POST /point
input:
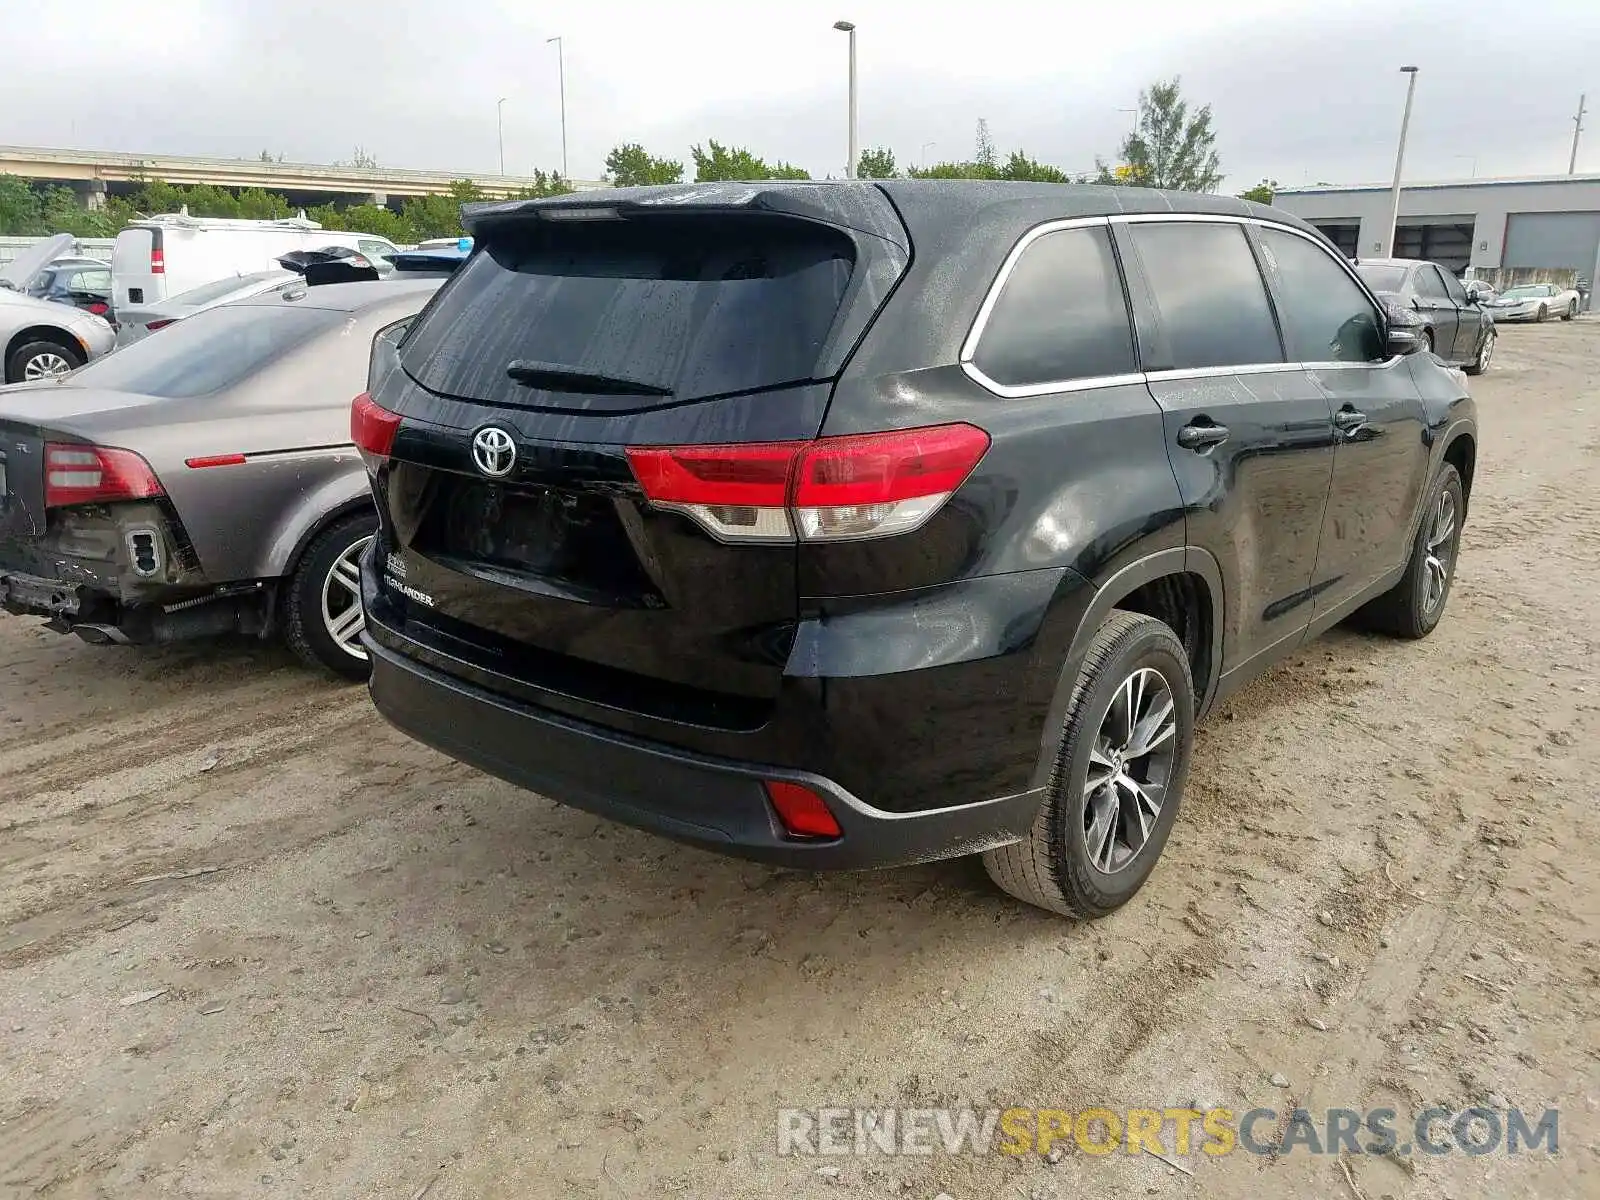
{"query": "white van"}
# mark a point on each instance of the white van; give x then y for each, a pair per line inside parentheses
(165, 255)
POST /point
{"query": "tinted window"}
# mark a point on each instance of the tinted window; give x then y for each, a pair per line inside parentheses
(1381, 278)
(1061, 315)
(92, 281)
(1453, 288)
(208, 352)
(1430, 285)
(1326, 317)
(697, 306)
(1213, 304)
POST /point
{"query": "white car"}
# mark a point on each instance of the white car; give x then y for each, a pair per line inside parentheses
(1534, 302)
(40, 339)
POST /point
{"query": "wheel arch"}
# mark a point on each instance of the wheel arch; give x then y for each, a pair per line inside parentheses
(1182, 586)
(1461, 452)
(348, 508)
(39, 333)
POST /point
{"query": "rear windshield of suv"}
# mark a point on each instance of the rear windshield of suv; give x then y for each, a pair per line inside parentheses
(677, 307)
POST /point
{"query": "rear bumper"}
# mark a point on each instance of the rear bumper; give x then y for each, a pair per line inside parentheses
(719, 804)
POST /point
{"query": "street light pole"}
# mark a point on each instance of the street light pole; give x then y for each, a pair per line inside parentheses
(926, 146)
(500, 127)
(855, 153)
(1400, 157)
(561, 69)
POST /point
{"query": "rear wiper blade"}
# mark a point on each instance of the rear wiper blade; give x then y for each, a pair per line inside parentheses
(570, 379)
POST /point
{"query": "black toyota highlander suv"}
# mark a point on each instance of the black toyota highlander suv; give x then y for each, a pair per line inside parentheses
(859, 523)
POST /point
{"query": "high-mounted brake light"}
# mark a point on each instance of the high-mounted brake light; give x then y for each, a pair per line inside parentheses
(372, 428)
(80, 474)
(831, 489)
(158, 261)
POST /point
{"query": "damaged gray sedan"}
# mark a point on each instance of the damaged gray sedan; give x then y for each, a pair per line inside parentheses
(202, 481)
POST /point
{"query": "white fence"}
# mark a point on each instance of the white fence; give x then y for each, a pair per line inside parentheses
(13, 247)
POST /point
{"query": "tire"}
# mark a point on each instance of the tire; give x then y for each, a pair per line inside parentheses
(34, 356)
(1544, 314)
(315, 599)
(1059, 866)
(1480, 364)
(1572, 311)
(1412, 608)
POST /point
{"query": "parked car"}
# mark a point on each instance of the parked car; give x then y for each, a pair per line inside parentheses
(847, 524)
(141, 320)
(202, 481)
(81, 282)
(1480, 290)
(1535, 302)
(40, 338)
(1456, 327)
(165, 255)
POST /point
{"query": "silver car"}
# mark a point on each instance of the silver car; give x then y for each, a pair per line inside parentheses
(1535, 302)
(40, 338)
(204, 481)
(139, 321)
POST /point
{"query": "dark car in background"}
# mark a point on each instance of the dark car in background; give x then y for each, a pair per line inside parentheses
(851, 524)
(1457, 326)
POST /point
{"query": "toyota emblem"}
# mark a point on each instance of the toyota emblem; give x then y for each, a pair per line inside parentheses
(493, 451)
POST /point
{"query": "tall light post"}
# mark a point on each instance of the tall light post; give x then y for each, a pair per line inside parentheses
(1577, 134)
(855, 154)
(1400, 158)
(500, 128)
(561, 70)
(926, 146)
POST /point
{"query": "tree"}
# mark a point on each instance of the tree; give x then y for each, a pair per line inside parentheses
(1020, 166)
(719, 163)
(1262, 193)
(630, 165)
(876, 164)
(1169, 149)
(983, 154)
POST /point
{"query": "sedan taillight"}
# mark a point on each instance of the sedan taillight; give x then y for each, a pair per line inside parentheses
(82, 474)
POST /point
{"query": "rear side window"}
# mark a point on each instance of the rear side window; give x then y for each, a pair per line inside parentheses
(1061, 315)
(1212, 301)
(1430, 285)
(207, 352)
(1326, 317)
(680, 307)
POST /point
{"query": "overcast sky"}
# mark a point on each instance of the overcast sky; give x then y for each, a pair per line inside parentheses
(1301, 92)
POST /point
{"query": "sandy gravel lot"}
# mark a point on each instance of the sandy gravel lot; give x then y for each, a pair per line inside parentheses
(384, 975)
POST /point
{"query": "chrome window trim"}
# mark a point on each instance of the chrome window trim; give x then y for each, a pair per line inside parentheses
(1020, 391)
(969, 345)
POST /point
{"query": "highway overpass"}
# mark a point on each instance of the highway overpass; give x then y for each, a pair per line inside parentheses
(95, 173)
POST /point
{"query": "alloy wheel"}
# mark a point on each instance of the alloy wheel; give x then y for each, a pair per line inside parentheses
(45, 365)
(1486, 352)
(1441, 550)
(342, 615)
(1130, 768)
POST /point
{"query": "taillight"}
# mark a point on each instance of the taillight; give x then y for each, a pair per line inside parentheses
(831, 489)
(372, 428)
(99, 309)
(801, 811)
(158, 261)
(76, 474)
(152, 326)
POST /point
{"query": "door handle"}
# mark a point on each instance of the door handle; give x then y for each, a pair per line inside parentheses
(1202, 437)
(1349, 419)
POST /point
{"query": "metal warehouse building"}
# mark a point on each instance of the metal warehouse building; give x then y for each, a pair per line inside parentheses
(1550, 222)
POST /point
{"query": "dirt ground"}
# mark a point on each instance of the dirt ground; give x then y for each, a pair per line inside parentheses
(382, 974)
